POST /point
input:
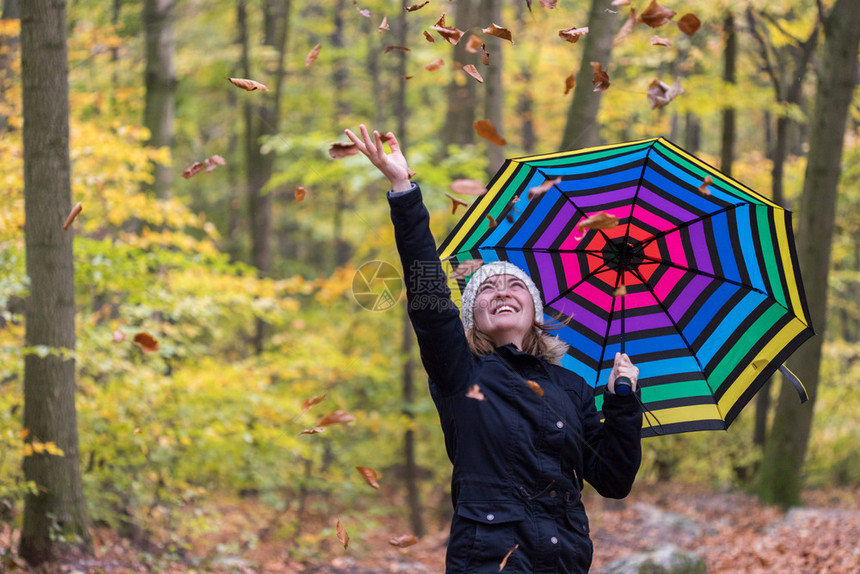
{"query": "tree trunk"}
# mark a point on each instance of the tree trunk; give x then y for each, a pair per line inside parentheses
(491, 11)
(49, 381)
(462, 90)
(785, 451)
(159, 110)
(582, 129)
(730, 56)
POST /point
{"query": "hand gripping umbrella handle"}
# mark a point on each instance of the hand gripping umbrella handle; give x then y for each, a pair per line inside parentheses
(623, 386)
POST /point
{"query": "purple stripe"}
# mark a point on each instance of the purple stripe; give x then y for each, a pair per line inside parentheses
(581, 316)
(700, 248)
(689, 294)
(665, 205)
(642, 323)
(555, 227)
(608, 196)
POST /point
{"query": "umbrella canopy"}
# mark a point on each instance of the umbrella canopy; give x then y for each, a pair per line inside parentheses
(698, 282)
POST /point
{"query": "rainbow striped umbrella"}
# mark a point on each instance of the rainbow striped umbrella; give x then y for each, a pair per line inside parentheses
(698, 282)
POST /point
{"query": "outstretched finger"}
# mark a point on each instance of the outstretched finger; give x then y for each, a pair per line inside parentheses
(392, 142)
(377, 142)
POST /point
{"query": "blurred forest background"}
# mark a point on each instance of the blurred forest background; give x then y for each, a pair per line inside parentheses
(214, 313)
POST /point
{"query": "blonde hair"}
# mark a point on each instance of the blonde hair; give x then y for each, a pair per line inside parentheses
(537, 341)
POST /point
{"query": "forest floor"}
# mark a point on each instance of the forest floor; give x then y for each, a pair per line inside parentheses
(732, 532)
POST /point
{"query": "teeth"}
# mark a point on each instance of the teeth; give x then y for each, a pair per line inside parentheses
(505, 308)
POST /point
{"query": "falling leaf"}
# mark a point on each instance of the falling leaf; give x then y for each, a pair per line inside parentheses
(193, 169)
(340, 150)
(505, 559)
(626, 28)
(434, 65)
(249, 85)
(401, 48)
(312, 431)
(341, 534)
(656, 15)
(485, 55)
(78, 207)
(137, 430)
(467, 186)
(704, 187)
(313, 55)
(689, 24)
(617, 3)
(384, 25)
(455, 203)
(499, 32)
(429, 37)
(369, 476)
(118, 336)
(473, 44)
(363, 12)
(214, 161)
(569, 84)
(620, 291)
(600, 220)
(147, 342)
(415, 7)
(473, 71)
(601, 77)
(315, 400)
(300, 193)
(463, 269)
(486, 130)
(573, 35)
(549, 4)
(336, 417)
(535, 387)
(404, 541)
(451, 34)
(475, 393)
(660, 93)
(659, 41)
(408, 78)
(492, 220)
(543, 188)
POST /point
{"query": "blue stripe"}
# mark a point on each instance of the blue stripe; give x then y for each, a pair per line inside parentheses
(711, 307)
(655, 180)
(748, 247)
(725, 250)
(590, 166)
(728, 326)
(694, 181)
(578, 367)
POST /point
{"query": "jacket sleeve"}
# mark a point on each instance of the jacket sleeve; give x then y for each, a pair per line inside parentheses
(613, 454)
(445, 352)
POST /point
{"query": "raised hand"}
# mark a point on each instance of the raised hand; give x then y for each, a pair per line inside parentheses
(392, 165)
(623, 367)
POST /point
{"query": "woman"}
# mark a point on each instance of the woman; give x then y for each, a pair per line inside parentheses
(519, 458)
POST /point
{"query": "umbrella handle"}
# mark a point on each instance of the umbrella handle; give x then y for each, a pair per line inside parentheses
(623, 386)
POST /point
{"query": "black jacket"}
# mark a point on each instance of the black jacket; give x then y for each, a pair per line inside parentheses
(519, 459)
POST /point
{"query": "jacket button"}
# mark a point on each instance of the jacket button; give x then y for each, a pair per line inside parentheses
(491, 517)
(560, 424)
(554, 540)
(552, 494)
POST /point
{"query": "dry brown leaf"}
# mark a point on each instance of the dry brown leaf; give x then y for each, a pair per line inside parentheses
(704, 187)
(193, 169)
(408, 78)
(660, 94)
(300, 193)
(429, 37)
(467, 186)
(363, 12)
(404, 541)
(455, 203)
(660, 41)
(315, 400)
(335, 417)
(312, 431)
(401, 48)
(434, 65)
(620, 291)
(249, 85)
(543, 188)
(450, 33)
(341, 534)
(499, 32)
(147, 343)
(475, 393)
(485, 55)
(487, 130)
(313, 55)
(340, 150)
(689, 24)
(569, 84)
(415, 7)
(625, 30)
(549, 4)
(369, 476)
(76, 209)
(214, 161)
(384, 25)
(473, 43)
(600, 220)
(492, 220)
(473, 71)
(465, 268)
(656, 15)
(118, 336)
(573, 35)
(535, 387)
(505, 559)
(601, 77)
(617, 3)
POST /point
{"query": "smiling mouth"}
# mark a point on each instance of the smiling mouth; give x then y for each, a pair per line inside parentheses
(504, 309)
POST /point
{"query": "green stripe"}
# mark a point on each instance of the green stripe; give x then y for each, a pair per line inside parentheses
(579, 157)
(749, 341)
(769, 254)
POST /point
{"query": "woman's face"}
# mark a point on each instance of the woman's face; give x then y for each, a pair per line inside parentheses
(504, 309)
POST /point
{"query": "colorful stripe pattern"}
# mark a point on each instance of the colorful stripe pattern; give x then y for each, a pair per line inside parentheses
(714, 298)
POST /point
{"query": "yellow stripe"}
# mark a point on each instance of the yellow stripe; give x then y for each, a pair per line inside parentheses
(682, 415)
(583, 151)
(713, 171)
(788, 266)
(766, 355)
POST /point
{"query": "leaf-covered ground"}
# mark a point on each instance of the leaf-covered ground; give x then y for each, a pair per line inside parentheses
(733, 532)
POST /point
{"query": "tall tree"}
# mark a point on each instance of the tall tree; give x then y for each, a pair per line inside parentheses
(785, 450)
(730, 56)
(491, 11)
(582, 129)
(49, 380)
(462, 91)
(160, 81)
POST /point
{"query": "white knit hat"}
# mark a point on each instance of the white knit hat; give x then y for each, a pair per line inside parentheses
(483, 273)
